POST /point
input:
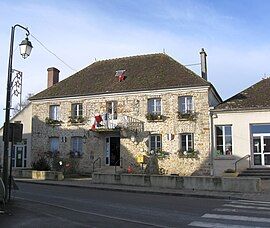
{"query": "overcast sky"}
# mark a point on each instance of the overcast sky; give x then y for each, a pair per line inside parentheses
(235, 35)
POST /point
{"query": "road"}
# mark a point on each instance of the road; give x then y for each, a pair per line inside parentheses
(57, 206)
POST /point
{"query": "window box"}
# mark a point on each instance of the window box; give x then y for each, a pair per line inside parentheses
(187, 116)
(76, 120)
(50, 121)
(154, 117)
(188, 154)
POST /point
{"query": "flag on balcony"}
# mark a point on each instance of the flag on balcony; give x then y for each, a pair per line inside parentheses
(97, 121)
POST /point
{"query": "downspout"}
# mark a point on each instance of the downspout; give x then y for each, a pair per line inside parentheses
(212, 144)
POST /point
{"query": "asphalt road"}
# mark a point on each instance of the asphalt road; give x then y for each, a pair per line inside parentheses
(57, 206)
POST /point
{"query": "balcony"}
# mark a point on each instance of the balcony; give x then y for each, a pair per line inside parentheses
(107, 123)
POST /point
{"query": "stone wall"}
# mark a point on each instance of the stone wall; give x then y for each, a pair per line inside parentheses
(132, 144)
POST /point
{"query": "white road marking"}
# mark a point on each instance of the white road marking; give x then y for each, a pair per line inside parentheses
(251, 203)
(236, 217)
(217, 225)
(246, 207)
(234, 210)
(93, 213)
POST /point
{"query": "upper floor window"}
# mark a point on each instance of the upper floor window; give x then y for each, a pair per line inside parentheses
(154, 106)
(111, 107)
(77, 110)
(76, 146)
(54, 112)
(186, 141)
(185, 104)
(224, 139)
(155, 143)
(54, 144)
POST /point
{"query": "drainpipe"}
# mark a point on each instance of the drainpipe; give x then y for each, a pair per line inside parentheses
(212, 144)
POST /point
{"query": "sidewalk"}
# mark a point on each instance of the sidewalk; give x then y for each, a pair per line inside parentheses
(87, 183)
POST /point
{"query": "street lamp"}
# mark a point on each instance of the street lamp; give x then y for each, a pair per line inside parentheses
(25, 50)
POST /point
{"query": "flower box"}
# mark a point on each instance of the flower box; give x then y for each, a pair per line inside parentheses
(154, 117)
(188, 116)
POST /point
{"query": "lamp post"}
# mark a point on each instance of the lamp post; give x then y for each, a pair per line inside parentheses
(25, 50)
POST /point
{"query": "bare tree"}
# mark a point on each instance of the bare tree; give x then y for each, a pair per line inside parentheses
(18, 107)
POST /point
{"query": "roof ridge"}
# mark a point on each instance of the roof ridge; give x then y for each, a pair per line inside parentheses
(132, 56)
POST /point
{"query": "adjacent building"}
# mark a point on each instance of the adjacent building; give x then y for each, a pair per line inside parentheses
(241, 129)
(21, 152)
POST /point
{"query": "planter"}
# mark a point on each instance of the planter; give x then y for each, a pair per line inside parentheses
(40, 175)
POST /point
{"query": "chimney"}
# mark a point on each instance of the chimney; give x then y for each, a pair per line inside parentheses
(53, 76)
(203, 64)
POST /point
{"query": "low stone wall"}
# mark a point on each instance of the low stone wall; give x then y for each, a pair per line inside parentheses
(181, 182)
(39, 175)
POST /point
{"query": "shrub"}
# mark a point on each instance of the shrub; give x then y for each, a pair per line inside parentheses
(229, 171)
(41, 165)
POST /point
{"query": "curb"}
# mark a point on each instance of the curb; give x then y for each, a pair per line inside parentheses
(142, 191)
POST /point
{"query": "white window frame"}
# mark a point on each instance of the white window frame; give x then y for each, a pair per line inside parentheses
(54, 112)
(77, 110)
(153, 108)
(51, 140)
(186, 136)
(78, 140)
(113, 106)
(188, 106)
(156, 142)
(224, 139)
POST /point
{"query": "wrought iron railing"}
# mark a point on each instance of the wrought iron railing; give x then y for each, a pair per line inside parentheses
(245, 157)
(94, 162)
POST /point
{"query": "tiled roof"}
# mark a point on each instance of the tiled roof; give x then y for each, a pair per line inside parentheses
(144, 72)
(255, 97)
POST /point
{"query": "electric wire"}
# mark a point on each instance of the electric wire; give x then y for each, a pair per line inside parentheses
(53, 53)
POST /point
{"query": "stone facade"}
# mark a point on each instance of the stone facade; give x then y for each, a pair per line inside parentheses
(132, 144)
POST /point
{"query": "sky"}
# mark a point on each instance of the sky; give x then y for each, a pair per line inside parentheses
(235, 35)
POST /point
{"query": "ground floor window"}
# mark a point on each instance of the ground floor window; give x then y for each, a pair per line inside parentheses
(186, 142)
(224, 139)
(76, 146)
(155, 143)
(54, 145)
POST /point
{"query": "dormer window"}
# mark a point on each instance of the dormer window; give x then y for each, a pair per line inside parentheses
(120, 74)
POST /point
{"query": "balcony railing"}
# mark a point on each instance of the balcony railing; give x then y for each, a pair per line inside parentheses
(122, 122)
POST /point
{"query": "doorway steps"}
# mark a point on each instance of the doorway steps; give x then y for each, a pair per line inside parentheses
(263, 173)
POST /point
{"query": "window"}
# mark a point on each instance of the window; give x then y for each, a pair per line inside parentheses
(154, 106)
(77, 110)
(185, 104)
(111, 107)
(186, 142)
(224, 139)
(54, 144)
(76, 146)
(54, 112)
(155, 143)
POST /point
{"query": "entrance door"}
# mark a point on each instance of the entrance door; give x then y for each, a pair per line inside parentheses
(113, 151)
(261, 149)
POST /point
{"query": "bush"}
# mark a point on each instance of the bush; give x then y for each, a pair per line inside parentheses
(229, 171)
(41, 165)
